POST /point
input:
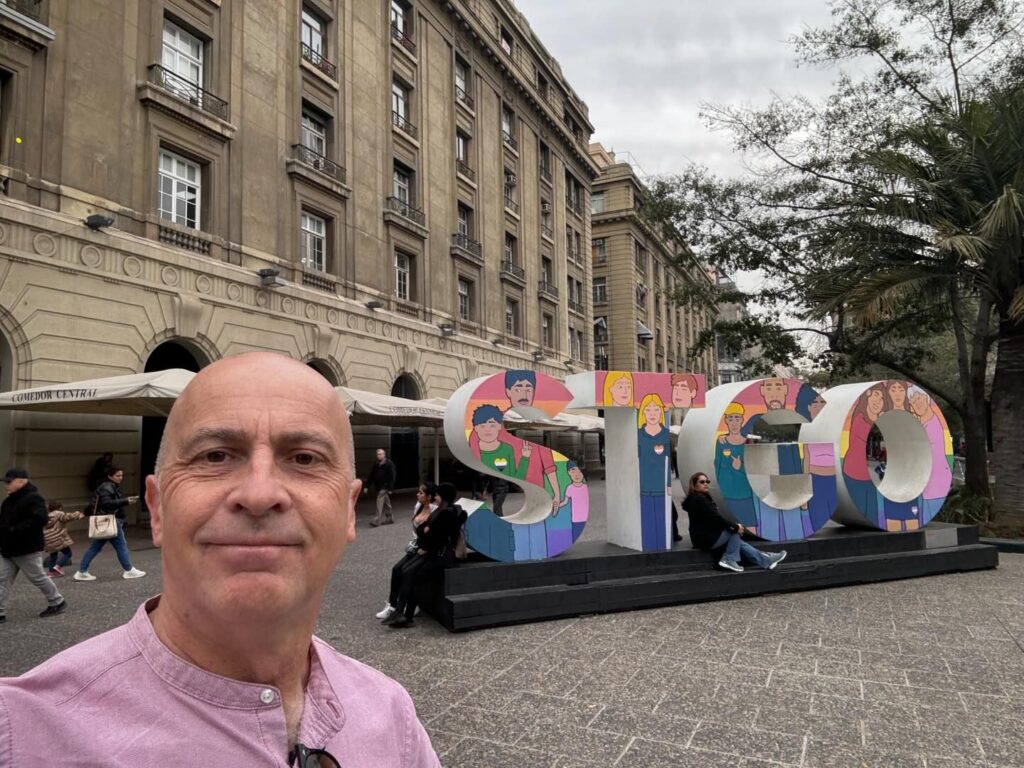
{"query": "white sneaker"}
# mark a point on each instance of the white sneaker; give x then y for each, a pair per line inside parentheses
(774, 558)
(134, 573)
(389, 609)
(84, 576)
(729, 565)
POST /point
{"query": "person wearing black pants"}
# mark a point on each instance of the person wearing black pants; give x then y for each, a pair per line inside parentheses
(436, 538)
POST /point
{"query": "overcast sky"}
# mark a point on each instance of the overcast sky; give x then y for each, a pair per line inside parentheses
(645, 66)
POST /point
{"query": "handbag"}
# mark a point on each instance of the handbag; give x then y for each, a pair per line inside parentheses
(411, 547)
(102, 527)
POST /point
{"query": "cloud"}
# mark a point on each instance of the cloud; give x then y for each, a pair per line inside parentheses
(644, 67)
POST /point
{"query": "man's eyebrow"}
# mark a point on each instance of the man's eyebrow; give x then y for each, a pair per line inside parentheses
(234, 436)
(202, 435)
(311, 438)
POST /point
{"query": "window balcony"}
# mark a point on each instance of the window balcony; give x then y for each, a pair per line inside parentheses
(317, 59)
(400, 122)
(575, 306)
(511, 205)
(574, 256)
(512, 271)
(547, 289)
(467, 249)
(547, 232)
(545, 174)
(465, 99)
(465, 170)
(319, 281)
(188, 91)
(510, 141)
(404, 209)
(308, 157)
(403, 39)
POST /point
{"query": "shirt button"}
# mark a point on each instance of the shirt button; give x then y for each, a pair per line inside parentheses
(266, 696)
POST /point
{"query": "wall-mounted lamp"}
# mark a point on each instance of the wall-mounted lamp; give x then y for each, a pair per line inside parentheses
(538, 356)
(570, 362)
(498, 340)
(374, 304)
(98, 221)
(270, 278)
(447, 329)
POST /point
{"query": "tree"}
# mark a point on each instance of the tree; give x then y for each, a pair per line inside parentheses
(890, 212)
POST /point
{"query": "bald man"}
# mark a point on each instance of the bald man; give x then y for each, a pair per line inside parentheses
(252, 504)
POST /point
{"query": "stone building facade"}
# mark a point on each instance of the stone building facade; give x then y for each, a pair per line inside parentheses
(637, 327)
(371, 186)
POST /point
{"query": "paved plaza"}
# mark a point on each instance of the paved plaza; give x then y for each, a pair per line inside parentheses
(926, 673)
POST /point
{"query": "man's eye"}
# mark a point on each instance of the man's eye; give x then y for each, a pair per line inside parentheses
(305, 459)
(215, 457)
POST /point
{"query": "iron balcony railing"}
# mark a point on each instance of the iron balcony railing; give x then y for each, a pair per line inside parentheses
(511, 268)
(403, 208)
(319, 61)
(464, 97)
(400, 122)
(575, 306)
(188, 91)
(307, 156)
(465, 170)
(509, 139)
(466, 243)
(545, 287)
(29, 8)
(511, 204)
(545, 174)
(403, 39)
(547, 231)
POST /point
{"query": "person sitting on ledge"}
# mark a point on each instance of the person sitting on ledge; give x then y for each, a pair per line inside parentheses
(709, 530)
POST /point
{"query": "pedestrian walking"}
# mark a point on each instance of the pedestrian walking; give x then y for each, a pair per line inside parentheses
(22, 519)
(382, 479)
(56, 539)
(110, 501)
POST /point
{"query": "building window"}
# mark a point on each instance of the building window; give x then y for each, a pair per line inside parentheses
(547, 323)
(507, 43)
(573, 193)
(401, 184)
(314, 33)
(599, 250)
(182, 56)
(313, 134)
(547, 272)
(510, 189)
(512, 318)
(545, 161)
(401, 112)
(462, 147)
(601, 330)
(401, 21)
(464, 224)
(314, 242)
(465, 299)
(600, 290)
(597, 202)
(575, 349)
(180, 190)
(510, 249)
(640, 257)
(641, 294)
(508, 124)
(601, 357)
(461, 79)
(403, 275)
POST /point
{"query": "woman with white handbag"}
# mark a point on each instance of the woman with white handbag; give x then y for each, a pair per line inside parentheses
(106, 523)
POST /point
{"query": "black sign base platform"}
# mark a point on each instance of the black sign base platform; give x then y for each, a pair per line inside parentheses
(595, 577)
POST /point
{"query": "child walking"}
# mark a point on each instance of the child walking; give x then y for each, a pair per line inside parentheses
(57, 540)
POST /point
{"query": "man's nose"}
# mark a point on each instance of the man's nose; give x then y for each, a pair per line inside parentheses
(261, 489)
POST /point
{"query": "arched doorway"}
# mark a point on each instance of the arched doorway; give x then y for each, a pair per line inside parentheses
(6, 417)
(170, 354)
(405, 442)
(324, 369)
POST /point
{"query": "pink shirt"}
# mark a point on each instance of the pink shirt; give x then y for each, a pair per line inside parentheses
(123, 699)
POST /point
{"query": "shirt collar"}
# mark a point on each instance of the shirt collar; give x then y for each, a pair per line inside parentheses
(323, 715)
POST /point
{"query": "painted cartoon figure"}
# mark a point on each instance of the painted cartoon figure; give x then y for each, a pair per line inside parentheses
(577, 495)
(858, 481)
(618, 389)
(684, 390)
(897, 391)
(941, 477)
(732, 477)
(819, 463)
(654, 448)
(520, 387)
(495, 452)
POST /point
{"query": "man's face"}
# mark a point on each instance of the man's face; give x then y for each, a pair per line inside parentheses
(576, 475)
(520, 393)
(380, 454)
(488, 431)
(15, 485)
(774, 392)
(255, 500)
(682, 397)
(734, 422)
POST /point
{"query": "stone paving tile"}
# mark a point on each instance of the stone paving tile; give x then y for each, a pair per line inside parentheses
(1005, 751)
(645, 725)
(474, 753)
(913, 697)
(821, 753)
(749, 742)
(835, 653)
(956, 762)
(963, 683)
(908, 736)
(645, 753)
(874, 672)
(828, 686)
(485, 724)
(599, 746)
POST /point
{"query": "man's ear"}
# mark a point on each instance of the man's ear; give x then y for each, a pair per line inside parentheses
(353, 497)
(156, 512)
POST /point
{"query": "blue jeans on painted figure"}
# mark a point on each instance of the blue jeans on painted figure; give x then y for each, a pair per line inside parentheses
(736, 547)
(120, 547)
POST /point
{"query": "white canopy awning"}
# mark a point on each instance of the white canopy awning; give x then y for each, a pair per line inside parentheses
(389, 411)
(136, 394)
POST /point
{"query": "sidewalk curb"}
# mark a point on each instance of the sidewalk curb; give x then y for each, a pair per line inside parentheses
(1005, 545)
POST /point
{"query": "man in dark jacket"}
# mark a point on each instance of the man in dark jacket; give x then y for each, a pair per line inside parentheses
(382, 478)
(22, 518)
